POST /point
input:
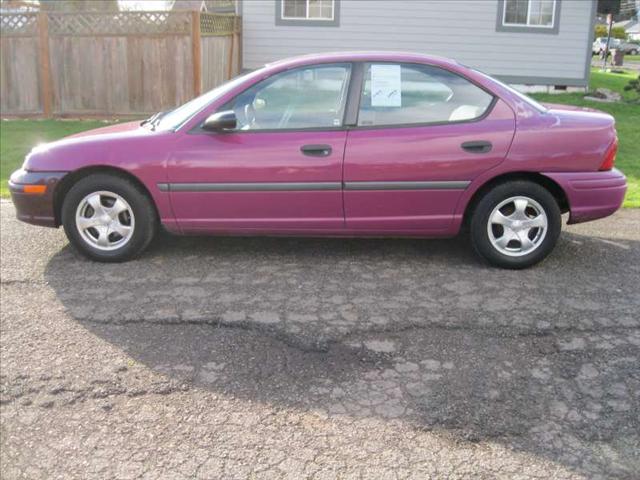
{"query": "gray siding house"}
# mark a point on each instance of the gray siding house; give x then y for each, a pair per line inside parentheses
(524, 42)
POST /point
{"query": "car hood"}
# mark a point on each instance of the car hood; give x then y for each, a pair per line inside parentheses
(109, 145)
(109, 129)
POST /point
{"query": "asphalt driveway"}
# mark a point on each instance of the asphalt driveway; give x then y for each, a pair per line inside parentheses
(320, 358)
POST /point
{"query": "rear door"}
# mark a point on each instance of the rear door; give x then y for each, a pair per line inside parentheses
(423, 133)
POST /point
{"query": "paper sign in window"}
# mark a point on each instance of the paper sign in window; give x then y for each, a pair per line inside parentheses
(386, 86)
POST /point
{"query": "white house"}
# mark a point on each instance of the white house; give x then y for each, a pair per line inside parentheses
(631, 28)
(527, 42)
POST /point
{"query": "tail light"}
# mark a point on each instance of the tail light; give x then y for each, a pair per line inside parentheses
(610, 156)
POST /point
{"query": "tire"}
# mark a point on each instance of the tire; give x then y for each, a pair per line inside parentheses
(508, 233)
(108, 218)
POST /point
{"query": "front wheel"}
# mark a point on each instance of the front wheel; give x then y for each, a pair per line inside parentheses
(516, 224)
(108, 218)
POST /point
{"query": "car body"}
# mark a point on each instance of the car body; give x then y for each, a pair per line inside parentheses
(351, 161)
(600, 43)
(629, 48)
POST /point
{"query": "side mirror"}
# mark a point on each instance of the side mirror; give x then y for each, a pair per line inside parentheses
(220, 121)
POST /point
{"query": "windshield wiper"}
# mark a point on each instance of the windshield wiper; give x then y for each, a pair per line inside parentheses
(153, 120)
(148, 120)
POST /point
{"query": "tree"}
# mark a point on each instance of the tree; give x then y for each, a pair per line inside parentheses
(616, 32)
(80, 5)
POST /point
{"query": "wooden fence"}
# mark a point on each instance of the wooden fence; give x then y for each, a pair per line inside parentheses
(94, 64)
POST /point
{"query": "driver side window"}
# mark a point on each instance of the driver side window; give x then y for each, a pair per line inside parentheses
(308, 97)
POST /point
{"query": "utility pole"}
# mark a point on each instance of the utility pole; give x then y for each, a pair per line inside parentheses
(606, 47)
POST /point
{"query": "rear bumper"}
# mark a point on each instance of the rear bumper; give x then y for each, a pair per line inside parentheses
(591, 195)
(35, 208)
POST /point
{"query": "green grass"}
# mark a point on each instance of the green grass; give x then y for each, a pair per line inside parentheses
(627, 115)
(614, 81)
(18, 137)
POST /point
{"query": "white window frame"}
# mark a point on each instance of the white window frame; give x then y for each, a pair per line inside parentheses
(307, 17)
(528, 24)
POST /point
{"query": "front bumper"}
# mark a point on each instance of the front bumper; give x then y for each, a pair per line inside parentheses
(32, 204)
(591, 195)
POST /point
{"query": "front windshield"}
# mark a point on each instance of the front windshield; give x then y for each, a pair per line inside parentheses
(518, 94)
(175, 118)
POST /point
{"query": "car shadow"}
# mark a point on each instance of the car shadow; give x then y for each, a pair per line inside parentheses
(544, 361)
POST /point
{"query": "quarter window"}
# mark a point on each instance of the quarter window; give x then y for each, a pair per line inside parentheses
(529, 13)
(395, 94)
(310, 97)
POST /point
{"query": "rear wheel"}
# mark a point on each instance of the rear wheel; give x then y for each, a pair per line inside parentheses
(107, 218)
(516, 224)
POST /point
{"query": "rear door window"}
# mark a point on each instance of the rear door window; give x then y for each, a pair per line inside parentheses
(397, 94)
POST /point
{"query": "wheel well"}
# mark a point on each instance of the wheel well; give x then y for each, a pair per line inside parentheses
(546, 182)
(71, 178)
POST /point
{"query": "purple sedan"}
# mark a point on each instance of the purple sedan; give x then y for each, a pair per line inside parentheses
(355, 144)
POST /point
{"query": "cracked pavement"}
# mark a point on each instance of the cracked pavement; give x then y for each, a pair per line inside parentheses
(320, 358)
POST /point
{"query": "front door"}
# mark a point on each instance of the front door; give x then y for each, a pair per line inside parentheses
(279, 170)
(423, 133)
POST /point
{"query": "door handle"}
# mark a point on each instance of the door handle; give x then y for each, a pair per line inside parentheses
(478, 146)
(316, 150)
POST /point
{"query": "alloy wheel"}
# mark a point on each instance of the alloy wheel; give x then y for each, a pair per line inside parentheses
(517, 226)
(105, 220)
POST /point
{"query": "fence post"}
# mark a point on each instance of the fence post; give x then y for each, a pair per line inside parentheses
(195, 53)
(44, 63)
(238, 53)
(232, 41)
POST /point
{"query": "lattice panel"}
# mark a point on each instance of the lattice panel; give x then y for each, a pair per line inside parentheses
(124, 23)
(18, 24)
(212, 24)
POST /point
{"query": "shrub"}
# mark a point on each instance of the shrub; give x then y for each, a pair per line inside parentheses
(633, 86)
(616, 32)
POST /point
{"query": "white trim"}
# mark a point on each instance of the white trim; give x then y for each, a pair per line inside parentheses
(528, 24)
(307, 17)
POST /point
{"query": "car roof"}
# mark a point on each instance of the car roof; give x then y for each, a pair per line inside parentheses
(362, 56)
